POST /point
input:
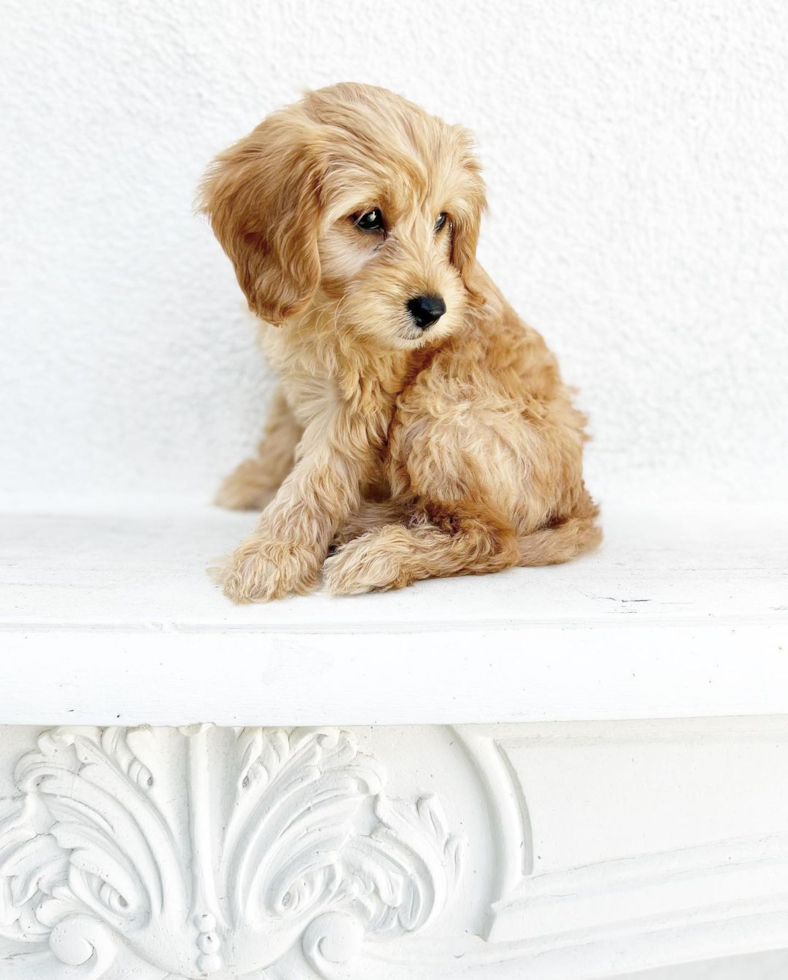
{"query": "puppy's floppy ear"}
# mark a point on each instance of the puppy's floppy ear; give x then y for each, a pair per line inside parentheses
(465, 235)
(466, 217)
(262, 196)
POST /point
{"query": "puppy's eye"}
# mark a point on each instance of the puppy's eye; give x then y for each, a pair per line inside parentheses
(370, 221)
(440, 221)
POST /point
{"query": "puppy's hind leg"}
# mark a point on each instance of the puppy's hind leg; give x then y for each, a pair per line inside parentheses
(370, 516)
(253, 484)
(455, 539)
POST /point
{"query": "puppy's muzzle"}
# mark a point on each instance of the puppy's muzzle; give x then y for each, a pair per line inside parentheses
(426, 310)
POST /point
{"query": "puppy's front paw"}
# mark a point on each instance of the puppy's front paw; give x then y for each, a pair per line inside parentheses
(262, 570)
(372, 563)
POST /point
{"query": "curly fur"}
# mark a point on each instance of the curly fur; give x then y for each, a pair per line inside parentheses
(413, 453)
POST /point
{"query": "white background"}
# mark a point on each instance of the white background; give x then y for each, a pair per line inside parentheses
(637, 161)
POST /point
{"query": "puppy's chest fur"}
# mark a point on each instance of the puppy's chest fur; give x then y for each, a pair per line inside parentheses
(465, 416)
(318, 372)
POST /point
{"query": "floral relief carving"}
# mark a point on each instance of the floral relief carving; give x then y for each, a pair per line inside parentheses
(221, 853)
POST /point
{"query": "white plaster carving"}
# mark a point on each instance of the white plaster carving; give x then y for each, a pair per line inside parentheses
(273, 854)
(211, 852)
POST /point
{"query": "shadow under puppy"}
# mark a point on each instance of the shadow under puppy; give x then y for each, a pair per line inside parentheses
(421, 428)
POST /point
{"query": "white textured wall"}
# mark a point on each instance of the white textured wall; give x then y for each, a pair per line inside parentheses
(637, 160)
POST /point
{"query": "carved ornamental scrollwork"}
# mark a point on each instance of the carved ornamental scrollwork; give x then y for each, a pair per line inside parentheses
(224, 854)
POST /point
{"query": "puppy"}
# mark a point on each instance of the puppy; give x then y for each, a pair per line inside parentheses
(421, 429)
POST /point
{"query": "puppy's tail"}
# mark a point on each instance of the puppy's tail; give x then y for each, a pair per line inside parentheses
(560, 542)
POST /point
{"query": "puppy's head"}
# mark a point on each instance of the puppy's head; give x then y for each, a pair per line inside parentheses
(356, 202)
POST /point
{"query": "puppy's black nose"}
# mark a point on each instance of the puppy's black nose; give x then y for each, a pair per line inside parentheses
(425, 310)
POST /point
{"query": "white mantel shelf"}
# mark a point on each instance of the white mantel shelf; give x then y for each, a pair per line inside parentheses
(107, 616)
(569, 773)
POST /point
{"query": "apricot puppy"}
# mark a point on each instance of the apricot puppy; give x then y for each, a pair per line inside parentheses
(421, 428)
